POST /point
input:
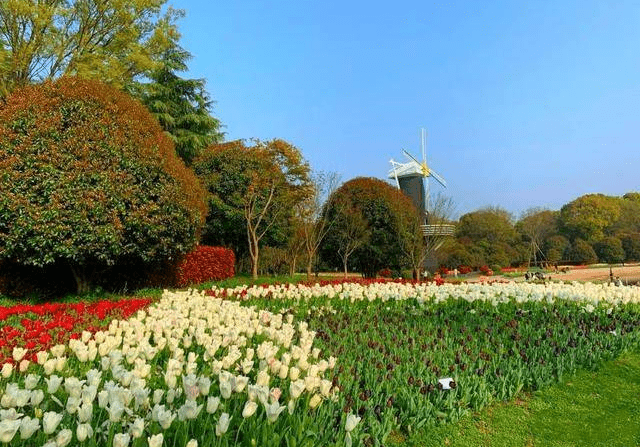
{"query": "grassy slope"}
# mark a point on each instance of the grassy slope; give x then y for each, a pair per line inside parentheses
(589, 409)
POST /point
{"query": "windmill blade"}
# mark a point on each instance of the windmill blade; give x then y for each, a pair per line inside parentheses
(424, 146)
(438, 178)
(425, 189)
(395, 172)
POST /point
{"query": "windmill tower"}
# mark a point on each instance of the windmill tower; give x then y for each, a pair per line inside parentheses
(413, 178)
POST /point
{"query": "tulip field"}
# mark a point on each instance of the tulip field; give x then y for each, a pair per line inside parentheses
(336, 363)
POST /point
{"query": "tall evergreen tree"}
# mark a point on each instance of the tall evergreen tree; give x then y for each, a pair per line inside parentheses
(181, 106)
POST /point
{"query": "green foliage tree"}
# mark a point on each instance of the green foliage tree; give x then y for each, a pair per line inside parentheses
(582, 252)
(491, 232)
(609, 249)
(534, 227)
(253, 191)
(380, 216)
(89, 180)
(589, 216)
(491, 224)
(181, 106)
(555, 248)
(631, 246)
(110, 40)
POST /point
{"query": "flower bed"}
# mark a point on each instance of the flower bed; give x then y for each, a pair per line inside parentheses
(310, 364)
(36, 328)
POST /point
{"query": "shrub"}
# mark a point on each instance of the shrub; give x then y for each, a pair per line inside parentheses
(385, 273)
(464, 269)
(89, 181)
(206, 264)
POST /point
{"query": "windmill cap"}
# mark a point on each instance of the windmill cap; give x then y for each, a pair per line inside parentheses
(408, 170)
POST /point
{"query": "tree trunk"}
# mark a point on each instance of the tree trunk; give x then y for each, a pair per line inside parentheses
(345, 267)
(83, 285)
(309, 269)
(254, 260)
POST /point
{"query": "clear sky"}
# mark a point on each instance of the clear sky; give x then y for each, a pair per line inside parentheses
(527, 104)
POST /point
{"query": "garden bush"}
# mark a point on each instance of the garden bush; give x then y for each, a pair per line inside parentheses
(90, 181)
(206, 264)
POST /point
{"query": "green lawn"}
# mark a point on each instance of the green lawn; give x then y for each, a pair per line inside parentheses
(589, 409)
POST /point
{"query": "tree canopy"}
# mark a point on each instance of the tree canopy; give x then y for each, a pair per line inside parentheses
(90, 180)
(181, 106)
(588, 216)
(110, 40)
(252, 191)
(376, 213)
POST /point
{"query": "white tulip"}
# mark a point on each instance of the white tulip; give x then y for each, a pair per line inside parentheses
(50, 422)
(225, 388)
(28, 427)
(165, 418)
(137, 428)
(7, 369)
(273, 411)
(53, 383)
(19, 353)
(192, 443)
(121, 440)
(115, 410)
(249, 409)
(155, 440)
(189, 410)
(37, 396)
(8, 429)
(41, 357)
(85, 412)
(157, 396)
(223, 424)
(351, 422)
(61, 363)
(212, 404)
(72, 404)
(49, 366)
(204, 383)
(63, 438)
(83, 432)
(31, 381)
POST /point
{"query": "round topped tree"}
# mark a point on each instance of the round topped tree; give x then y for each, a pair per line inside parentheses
(88, 180)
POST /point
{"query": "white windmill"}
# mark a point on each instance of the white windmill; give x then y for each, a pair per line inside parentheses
(413, 177)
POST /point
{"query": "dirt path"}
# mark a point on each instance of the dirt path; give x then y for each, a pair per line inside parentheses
(626, 273)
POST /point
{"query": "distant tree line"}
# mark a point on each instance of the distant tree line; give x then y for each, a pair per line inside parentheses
(592, 228)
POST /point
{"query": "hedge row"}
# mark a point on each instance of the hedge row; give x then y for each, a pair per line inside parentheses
(206, 264)
(203, 264)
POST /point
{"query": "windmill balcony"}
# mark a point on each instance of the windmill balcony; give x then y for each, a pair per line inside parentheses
(438, 230)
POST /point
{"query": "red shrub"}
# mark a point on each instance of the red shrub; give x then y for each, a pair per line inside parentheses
(206, 264)
(385, 273)
(443, 270)
(464, 269)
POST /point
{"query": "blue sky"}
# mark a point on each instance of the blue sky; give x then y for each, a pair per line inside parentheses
(527, 104)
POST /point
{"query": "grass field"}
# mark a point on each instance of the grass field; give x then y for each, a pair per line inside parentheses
(589, 409)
